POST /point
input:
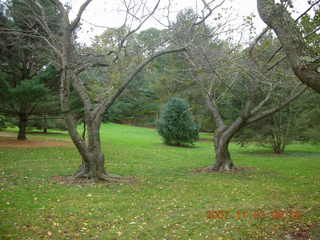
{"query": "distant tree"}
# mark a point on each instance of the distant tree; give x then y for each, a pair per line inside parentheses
(176, 125)
(307, 123)
(171, 76)
(26, 75)
(139, 105)
(278, 130)
(297, 122)
(23, 96)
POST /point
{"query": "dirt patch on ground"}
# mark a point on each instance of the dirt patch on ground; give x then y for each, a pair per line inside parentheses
(84, 181)
(8, 134)
(46, 133)
(233, 171)
(10, 142)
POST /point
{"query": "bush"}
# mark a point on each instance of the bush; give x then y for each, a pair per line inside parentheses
(2, 122)
(176, 125)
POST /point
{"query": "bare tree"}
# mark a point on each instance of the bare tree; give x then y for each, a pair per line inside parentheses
(72, 62)
(305, 65)
(228, 78)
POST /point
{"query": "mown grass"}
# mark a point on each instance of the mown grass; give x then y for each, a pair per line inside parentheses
(168, 201)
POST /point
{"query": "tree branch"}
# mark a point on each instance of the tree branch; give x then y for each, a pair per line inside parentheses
(278, 108)
(291, 38)
(107, 104)
(76, 21)
(211, 10)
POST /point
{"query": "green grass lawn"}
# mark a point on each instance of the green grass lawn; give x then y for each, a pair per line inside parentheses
(168, 201)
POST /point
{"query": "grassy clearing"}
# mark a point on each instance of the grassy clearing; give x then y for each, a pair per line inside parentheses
(168, 201)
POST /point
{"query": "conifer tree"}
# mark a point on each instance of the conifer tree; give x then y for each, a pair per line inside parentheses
(176, 125)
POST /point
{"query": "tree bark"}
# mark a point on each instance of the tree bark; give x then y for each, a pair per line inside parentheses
(93, 159)
(223, 136)
(45, 125)
(279, 19)
(223, 157)
(23, 122)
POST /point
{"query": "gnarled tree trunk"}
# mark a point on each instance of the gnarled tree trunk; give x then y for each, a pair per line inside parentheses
(223, 136)
(23, 122)
(223, 158)
(93, 160)
(92, 166)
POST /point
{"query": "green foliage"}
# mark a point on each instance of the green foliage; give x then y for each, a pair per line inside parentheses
(150, 40)
(308, 118)
(44, 123)
(298, 122)
(2, 122)
(27, 91)
(277, 132)
(138, 105)
(19, 9)
(176, 125)
(310, 26)
(27, 77)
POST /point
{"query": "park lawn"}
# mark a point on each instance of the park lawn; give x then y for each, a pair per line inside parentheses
(168, 200)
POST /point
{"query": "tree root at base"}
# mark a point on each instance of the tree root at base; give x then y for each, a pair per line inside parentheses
(223, 168)
(108, 177)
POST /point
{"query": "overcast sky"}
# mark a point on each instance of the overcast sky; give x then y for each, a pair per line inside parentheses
(109, 13)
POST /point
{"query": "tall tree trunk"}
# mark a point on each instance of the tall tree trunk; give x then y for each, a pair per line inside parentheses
(45, 124)
(23, 122)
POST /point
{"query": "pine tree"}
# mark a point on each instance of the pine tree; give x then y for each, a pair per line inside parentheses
(27, 77)
(176, 125)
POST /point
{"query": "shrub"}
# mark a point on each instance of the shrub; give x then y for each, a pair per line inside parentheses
(176, 125)
(2, 122)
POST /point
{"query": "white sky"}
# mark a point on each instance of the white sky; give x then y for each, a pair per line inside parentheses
(109, 13)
